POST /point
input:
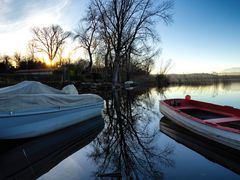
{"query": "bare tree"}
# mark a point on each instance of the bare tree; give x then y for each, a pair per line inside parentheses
(162, 79)
(17, 58)
(49, 40)
(31, 49)
(128, 24)
(60, 56)
(6, 59)
(142, 60)
(165, 67)
(86, 35)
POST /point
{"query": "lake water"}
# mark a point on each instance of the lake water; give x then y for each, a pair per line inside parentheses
(138, 142)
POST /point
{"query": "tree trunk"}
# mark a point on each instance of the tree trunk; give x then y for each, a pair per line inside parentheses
(106, 66)
(89, 67)
(115, 72)
(51, 60)
(128, 75)
(128, 64)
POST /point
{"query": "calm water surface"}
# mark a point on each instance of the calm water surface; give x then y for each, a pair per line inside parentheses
(138, 142)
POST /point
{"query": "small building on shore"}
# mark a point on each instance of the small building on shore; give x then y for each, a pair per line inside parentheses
(35, 72)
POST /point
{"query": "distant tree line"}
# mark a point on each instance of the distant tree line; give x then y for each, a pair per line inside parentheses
(9, 64)
(118, 36)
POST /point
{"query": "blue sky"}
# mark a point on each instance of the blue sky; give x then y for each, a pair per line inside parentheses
(204, 37)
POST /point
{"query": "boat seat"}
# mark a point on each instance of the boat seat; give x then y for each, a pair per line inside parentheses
(222, 120)
(203, 114)
(232, 124)
(185, 107)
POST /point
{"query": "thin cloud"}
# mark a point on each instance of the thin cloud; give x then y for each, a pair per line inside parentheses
(15, 14)
(17, 17)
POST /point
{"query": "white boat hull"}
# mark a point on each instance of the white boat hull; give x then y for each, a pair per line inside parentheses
(17, 126)
(221, 136)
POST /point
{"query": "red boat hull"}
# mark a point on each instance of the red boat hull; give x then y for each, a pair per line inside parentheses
(219, 123)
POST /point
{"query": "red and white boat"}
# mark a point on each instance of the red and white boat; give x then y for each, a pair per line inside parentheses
(215, 122)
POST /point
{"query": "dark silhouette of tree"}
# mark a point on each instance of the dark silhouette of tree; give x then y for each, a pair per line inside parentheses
(17, 58)
(139, 63)
(31, 48)
(60, 56)
(6, 59)
(86, 35)
(2, 67)
(6, 65)
(161, 78)
(128, 26)
(28, 63)
(49, 40)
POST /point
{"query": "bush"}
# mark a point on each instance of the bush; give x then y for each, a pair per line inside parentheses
(162, 80)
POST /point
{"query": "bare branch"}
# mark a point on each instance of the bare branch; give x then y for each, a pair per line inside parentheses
(49, 40)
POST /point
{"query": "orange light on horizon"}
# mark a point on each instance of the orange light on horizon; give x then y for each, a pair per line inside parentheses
(50, 64)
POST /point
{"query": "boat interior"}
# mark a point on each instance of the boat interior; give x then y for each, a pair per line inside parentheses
(203, 114)
(225, 116)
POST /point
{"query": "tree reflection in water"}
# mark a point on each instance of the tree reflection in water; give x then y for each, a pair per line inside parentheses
(127, 145)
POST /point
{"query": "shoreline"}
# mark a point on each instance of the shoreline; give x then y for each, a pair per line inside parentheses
(141, 80)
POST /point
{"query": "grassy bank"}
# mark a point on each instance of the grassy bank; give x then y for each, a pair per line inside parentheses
(185, 79)
(97, 82)
(201, 79)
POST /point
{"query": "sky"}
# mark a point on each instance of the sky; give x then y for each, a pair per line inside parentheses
(204, 37)
(18, 17)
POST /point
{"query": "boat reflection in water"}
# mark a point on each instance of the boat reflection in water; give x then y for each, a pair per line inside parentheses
(212, 150)
(29, 159)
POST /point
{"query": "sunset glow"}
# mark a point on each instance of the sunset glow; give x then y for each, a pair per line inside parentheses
(203, 38)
